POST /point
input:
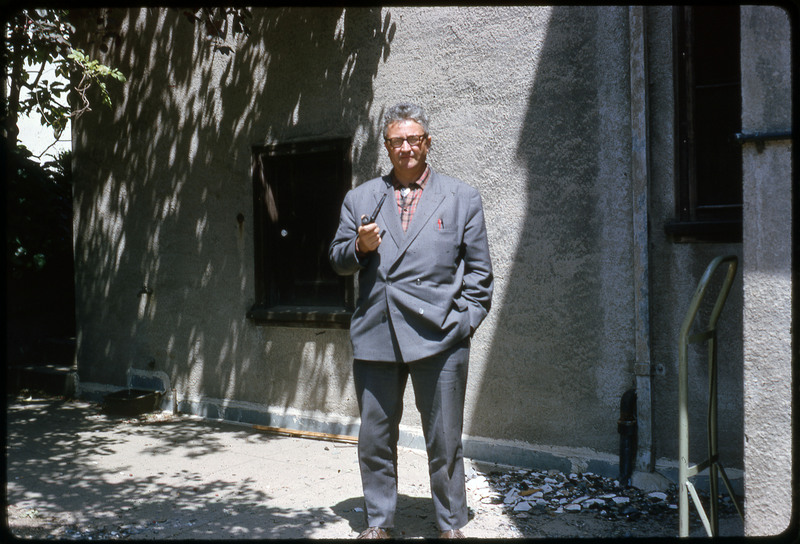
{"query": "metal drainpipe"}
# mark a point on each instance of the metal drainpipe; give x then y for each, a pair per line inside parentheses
(626, 427)
(640, 184)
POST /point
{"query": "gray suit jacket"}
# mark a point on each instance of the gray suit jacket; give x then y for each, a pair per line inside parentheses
(423, 290)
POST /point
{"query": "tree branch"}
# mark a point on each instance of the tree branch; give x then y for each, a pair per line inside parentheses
(39, 75)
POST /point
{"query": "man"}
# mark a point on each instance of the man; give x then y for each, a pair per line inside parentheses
(425, 284)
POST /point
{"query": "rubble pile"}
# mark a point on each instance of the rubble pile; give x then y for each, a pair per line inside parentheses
(527, 492)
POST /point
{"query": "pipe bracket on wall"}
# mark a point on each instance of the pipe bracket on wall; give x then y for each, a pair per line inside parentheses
(760, 138)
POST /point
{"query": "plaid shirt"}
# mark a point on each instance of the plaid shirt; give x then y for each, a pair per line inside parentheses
(407, 204)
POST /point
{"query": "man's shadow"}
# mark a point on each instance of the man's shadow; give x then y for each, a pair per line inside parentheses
(413, 518)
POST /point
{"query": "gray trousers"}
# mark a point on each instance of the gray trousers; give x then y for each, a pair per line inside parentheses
(439, 387)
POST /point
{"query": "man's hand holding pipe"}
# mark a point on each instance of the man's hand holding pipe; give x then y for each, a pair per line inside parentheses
(369, 237)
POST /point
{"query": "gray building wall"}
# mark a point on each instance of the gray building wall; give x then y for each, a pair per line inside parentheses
(531, 105)
(767, 107)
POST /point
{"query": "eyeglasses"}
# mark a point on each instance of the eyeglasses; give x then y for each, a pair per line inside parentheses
(414, 139)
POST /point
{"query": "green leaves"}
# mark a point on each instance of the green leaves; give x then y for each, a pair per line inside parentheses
(39, 41)
(92, 71)
(93, 67)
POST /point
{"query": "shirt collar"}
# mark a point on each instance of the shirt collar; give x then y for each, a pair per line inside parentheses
(419, 183)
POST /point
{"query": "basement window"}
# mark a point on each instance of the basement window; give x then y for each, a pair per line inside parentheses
(708, 115)
(298, 189)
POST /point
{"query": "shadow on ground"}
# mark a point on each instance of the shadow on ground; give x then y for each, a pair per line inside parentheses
(414, 517)
(82, 476)
(75, 473)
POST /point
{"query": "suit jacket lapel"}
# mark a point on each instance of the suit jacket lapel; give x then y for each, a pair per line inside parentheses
(389, 217)
(432, 197)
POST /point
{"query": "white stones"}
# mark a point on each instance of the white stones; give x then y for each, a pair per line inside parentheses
(590, 502)
(522, 506)
(512, 496)
(529, 494)
(658, 495)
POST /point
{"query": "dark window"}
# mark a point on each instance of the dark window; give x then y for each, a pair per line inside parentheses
(298, 190)
(708, 116)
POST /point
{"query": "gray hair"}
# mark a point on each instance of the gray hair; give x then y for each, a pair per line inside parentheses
(405, 111)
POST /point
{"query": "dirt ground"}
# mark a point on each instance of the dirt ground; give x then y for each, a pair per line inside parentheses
(75, 473)
(489, 523)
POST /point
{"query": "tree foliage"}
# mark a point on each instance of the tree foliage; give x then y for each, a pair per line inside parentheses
(38, 213)
(38, 39)
(39, 258)
(38, 196)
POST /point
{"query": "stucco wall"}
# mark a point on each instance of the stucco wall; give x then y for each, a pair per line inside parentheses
(767, 107)
(536, 116)
(529, 104)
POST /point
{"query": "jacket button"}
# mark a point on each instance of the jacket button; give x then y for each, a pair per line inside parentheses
(419, 281)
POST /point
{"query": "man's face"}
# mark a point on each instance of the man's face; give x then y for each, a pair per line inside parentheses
(407, 158)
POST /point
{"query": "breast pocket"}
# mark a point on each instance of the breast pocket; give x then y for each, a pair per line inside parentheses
(446, 239)
(445, 250)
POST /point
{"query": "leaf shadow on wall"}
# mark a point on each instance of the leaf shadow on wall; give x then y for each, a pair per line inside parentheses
(163, 195)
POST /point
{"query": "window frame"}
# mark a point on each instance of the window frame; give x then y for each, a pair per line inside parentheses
(694, 222)
(265, 310)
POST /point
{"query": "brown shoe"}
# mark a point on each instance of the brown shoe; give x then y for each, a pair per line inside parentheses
(373, 532)
(452, 533)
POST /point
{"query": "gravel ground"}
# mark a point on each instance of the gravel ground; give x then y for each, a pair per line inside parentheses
(552, 504)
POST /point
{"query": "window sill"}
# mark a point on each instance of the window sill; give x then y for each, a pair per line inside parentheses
(326, 317)
(709, 231)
